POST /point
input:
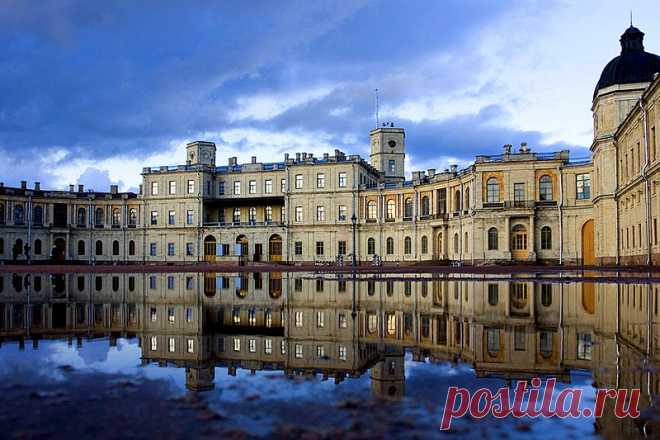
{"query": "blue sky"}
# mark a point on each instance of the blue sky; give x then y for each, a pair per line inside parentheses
(90, 92)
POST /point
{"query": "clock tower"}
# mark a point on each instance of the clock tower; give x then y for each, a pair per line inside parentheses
(200, 153)
(388, 151)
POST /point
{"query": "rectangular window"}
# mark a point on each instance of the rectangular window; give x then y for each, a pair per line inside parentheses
(252, 345)
(518, 193)
(341, 247)
(154, 343)
(237, 188)
(519, 338)
(320, 180)
(190, 345)
(583, 186)
(252, 188)
(170, 249)
(154, 188)
(299, 214)
(236, 217)
(171, 217)
(189, 249)
(298, 247)
(221, 188)
(283, 346)
(299, 181)
(154, 314)
(299, 319)
(320, 351)
(189, 282)
(191, 187)
(283, 186)
(172, 187)
(342, 180)
(170, 281)
(268, 186)
(154, 217)
(320, 319)
(320, 213)
(584, 346)
(268, 346)
(342, 321)
(298, 284)
(391, 167)
(152, 282)
(170, 314)
(342, 353)
(319, 248)
(268, 214)
(153, 249)
(189, 217)
(342, 214)
(299, 351)
(237, 344)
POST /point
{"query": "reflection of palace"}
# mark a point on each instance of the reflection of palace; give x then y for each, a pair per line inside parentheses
(516, 206)
(341, 328)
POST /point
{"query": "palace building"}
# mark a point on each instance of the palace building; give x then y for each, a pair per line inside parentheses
(519, 206)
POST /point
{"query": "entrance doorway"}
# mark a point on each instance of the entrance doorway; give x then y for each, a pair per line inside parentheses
(209, 248)
(588, 254)
(275, 248)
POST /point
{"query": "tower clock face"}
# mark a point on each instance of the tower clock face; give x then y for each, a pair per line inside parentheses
(391, 143)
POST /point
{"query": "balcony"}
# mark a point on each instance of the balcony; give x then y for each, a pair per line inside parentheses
(493, 204)
(519, 204)
(248, 224)
(546, 203)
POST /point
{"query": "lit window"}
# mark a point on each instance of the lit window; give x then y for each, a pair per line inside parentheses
(299, 319)
(252, 345)
(320, 213)
(343, 212)
(342, 352)
(299, 351)
(154, 314)
(191, 345)
(191, 186)
(299, 214)
(299, 181)
(154, 343)
(342, 320)
(320, 319)
(320, 351)
(268, 346)
(170, 314)
(171, 345)
(237, 344)
(172, 187)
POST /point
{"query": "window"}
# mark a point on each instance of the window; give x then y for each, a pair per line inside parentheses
(546, 237)
(545, 188)
(152, 282)
(268, 214)
(237, 344)
(408, 208)
(191, 187)
(170, 281)
(320, 213)
(37, 247)
(131, 247)
(2, 213)
(283, 186)
(492, 239)
(493, 341)
(221, 188)
(154, 188)
(170, 249)
(99, 247)
(237, 188)
(342, 353)
(190, 345)
(320, 319)
(38, 215)
(320, 351)
(298, 319)
(391, 166)
(343, 323)
(371, 246)
(153, 313)
(493, 294)
(425, 244)
(519, 338)
(391, 209)
(154, 343)
(319, 248)
(584, 346)
(171, 217)
(546, 295)
(268, 346)
(268, 186)
(154, 217)
(252, 215)
(389, 246)
(426, 206)
(189, 217)
(518, 194)
(132, 217)
(299, 351)
(492, 190)
(341, 247)
(172, 187)
(299, 181)
(371, 210)
(342, 214)
(236, 216)
(189, 284)
(252, 187)
(298, 247)
(583, 186)
(407, 246)
(546, 343)
(320, 180)
(152, 249)
(342, 180)
(519, 238)
(82, 217)
(456, 243)
(81, 247)
(115, 248)
(98, 217)
(299, 214)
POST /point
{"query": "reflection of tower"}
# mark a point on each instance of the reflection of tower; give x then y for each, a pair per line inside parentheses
(200, 379)
(388, 376)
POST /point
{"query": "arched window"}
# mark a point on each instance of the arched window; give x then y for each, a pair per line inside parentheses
(99, 247)
(408, 208)
(81, 247)
(19, 215)
(407, 246)
(457, 201)
(37, 247)
(546, 295)
(391, 209)
(493, 294)
(82, 217)
(38, 215)
(425, 244)
(98, 217)
(466, 243)
(2, 213)
(115, 247)
(546, 237)
(132, 217)
(390, 246)
(519, 238)
(371, 246)
(456, 243)
(426, 208)
(545, 188)
(131, 247)
(467, 198)
(116, 217)
(492, 190)
(371, 210)
(492, 239)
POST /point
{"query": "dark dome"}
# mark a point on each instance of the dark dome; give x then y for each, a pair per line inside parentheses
(634, 65)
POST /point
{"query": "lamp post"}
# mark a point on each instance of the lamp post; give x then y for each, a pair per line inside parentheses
(354, 223)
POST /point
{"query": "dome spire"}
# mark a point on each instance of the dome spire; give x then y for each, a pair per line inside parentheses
(632, 39)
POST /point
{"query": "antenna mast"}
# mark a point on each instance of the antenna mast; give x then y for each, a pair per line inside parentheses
(377, 120)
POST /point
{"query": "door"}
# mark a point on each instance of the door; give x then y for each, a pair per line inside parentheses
(588, 254)
(275, 248)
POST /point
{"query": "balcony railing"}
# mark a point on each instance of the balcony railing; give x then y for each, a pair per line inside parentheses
(493, 204)
(521, 204)
(248, 224)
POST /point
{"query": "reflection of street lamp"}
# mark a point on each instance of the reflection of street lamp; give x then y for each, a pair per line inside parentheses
(354, 222)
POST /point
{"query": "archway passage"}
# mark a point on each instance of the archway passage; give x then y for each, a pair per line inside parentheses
(209, 248)
(588, 254)
(59, 249)
(275, 248)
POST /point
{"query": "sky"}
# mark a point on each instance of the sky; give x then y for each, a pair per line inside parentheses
(91, 92)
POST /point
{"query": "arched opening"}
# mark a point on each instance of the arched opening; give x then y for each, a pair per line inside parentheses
(408, 208)
(546, 238)
(407, 246)
(492, 239)
(390, 246)
(467, 199)
(275, 248)
(588, 256)
(131, 247)
(99, 247)
(456, 243)
(81, 219)
(243, 241)
(59, 249)
(275, 285)
(425, 245)
(519, 242)
(545, 188)
(457, 201)
(391, 210)
(371, 246)
(81, 247)
(439, 249)
(209, 249)
(17, 250)
(115, 248)
(37, 247)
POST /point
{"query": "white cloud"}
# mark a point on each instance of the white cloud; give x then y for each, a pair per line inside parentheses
(267, 106)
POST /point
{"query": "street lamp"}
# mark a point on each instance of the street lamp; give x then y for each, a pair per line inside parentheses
(354, 223)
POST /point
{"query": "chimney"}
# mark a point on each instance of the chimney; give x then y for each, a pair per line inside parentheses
(415, 175)
(524, 148)
(453, 168)
(304, 156)
(233, 161)
(286, 157)
(37, 186)
(253, 159)
(114, 189)
(71, 188)
(23, 184)
(297, 157)
(2, 184)
(431, 172)
(140, 189)
(507, 148)
(326, 156)
(81, 188)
